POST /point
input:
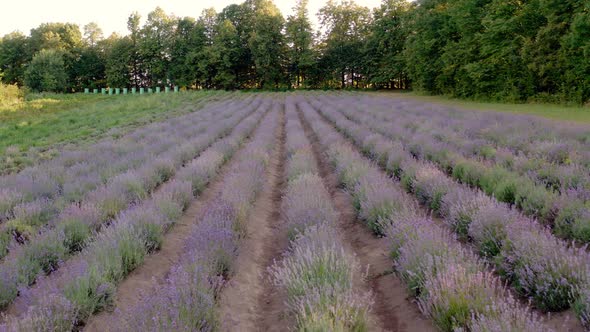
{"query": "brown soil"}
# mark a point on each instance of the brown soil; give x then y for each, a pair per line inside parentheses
(251, 302)
(393, 308)
(565, 321)
(156, 267)
(153, 272)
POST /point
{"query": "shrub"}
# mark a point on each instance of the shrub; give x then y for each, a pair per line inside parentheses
(118, 250)
(395, 158)
(488, 229)
(421, 250)
(306, 202)
(573, 221)
(9, 283)
(543, 267)
(76, 233)
(131, 184)
(534, 200)
(53, 312)
(459, 206)
(487, 152)
(430, 186)
(202, 170)
(44, 254)
(317, 275)
(347, 164)
(179, 192)
(377, 200)
(214, 242)
(507, 315)
(47, 71)
(35, 213)
(78, 222)
(110, 201)
(582, 307)
(332, 309)
(9, 198)
(301, 162)
(455, 293)
(468, 172)
(315, 262)
(88, 291)
(10, 95)
(186, 302)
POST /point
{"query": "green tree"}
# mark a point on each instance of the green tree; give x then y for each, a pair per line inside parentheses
(118, 69)
(575, 56)
(502, 72)
(137, 72)
(187, 38)
(154, 46)
(89, 67)
(46, 72)
(13, 57)
(345, 25)
(299, 38)
(384, 61)
(429, 34)
(60, 36)
(92, 34)
(242, 17)
(267, 44)
(223, 54)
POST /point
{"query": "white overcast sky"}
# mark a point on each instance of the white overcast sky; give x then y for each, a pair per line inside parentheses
(111, 15)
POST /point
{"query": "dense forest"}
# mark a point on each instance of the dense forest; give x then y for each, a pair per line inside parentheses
(512, 50)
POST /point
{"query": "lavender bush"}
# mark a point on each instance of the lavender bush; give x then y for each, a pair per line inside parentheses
(306, 202)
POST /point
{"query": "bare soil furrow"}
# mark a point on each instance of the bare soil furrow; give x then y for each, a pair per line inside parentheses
(393, 306)
(249, 302)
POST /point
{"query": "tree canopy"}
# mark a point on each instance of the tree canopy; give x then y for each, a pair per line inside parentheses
(493, 49)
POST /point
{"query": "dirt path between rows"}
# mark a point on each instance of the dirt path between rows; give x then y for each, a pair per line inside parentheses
(394, 308)
(565, 321)
(156, 267)
(250, 302)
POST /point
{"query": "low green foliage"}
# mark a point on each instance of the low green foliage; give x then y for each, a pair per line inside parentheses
(574, 113)
(35, 129)
(10, 95)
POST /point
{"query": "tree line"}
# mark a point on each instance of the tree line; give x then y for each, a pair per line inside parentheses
(514, 50)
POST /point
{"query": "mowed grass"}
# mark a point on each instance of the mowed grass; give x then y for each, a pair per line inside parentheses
(36, 128)
(579, 114)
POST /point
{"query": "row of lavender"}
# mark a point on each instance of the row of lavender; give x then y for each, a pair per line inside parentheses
(316, 273)
(78, 170)
(556, 194)
(476, 132)
(187, 300)
(451, 284)
(41, 196)
(523, 144)
(86, 223)
(88, 284)
(556, 276)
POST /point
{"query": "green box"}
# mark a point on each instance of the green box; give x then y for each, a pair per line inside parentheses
(124, 91)
(176, 89)
(111, 91)
(95, 91)
(133, 90)
(86, 90)
(167, 89)
(149, 90)
(140, 91)
(103, 91)
(157, 89)
(117, 91)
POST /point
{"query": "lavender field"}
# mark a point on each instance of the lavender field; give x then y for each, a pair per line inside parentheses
(306, 211)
